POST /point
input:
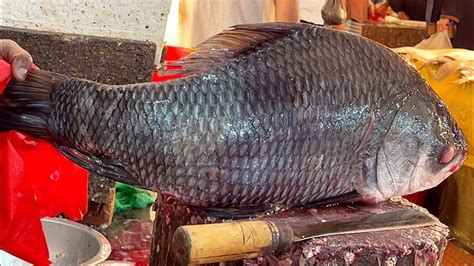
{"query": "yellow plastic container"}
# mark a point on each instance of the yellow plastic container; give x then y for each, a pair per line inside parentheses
(460, 102)
(452, 201)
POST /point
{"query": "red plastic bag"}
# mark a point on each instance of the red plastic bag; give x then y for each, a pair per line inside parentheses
(171, 53)
(5, 74)
(36, 181)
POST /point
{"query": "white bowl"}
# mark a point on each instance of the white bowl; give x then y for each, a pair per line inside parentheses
(69, 243)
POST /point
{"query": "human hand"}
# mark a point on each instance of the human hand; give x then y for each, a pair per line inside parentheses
(19, 59)
(443, 24)
(403, 15)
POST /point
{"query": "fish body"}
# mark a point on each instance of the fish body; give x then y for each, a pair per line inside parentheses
(286, 114)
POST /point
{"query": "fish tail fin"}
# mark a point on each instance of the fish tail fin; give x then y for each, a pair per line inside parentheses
(25, 105)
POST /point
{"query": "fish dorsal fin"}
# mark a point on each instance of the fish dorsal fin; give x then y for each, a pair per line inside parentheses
(235, 41)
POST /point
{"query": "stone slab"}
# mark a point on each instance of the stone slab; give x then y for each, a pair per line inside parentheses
(105, 60)
(393, 35)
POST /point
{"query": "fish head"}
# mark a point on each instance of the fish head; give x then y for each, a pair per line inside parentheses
(423, 146)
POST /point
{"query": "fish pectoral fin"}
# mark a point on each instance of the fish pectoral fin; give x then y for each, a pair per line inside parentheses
(241, 213)
(231, 43)
(347, 198)
(103, 166)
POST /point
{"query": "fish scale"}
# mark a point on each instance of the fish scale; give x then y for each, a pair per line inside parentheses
(266, 114)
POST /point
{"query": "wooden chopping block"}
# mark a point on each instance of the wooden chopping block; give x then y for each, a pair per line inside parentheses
(421, 246)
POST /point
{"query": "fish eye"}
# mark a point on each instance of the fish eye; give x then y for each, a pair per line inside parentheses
(447, 154)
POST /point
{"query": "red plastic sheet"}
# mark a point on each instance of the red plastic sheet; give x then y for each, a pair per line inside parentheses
(36, 181)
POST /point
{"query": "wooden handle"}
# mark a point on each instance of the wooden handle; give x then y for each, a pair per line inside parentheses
(209, 243)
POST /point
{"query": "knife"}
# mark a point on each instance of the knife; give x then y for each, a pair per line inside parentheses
(210, 243)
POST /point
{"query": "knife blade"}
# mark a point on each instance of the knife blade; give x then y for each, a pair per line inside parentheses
(393, 220)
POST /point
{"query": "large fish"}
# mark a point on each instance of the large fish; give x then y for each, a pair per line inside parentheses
(284, 114)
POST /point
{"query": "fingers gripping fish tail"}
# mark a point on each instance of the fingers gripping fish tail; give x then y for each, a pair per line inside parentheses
(26, 105)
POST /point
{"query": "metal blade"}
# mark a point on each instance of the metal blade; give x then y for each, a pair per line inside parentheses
(408, 218)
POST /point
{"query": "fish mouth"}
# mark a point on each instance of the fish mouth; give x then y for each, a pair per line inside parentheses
(458, 160)
(419, 179)
(422, 178)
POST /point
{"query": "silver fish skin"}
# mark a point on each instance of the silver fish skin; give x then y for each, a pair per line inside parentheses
(284, 114)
